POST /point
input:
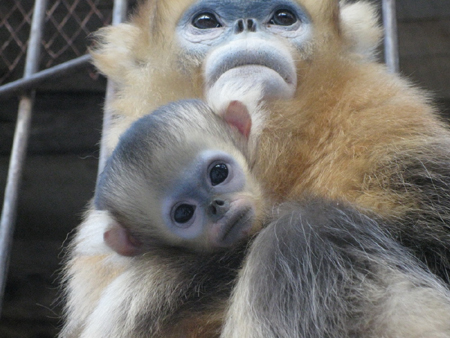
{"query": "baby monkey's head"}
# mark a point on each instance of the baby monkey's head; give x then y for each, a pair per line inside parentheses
(180, 177)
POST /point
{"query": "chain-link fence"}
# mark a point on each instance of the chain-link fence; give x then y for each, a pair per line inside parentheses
(67, 25)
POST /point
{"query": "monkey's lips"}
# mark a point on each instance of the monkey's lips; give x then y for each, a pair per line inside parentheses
(271, 83)
(241, 54)
(234, 226)
(252, 63)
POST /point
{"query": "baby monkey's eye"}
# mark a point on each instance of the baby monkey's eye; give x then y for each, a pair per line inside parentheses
(183, 213)
(218, 173)
(283, 17)
(205, 21)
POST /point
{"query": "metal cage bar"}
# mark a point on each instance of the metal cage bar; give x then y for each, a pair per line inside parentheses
(390, 35)
(20, 143)
(119, 14)
(30, 80)
(35, 79)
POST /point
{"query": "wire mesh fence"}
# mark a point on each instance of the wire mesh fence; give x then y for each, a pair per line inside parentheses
(38, 37)
(68, 24)
(15, 22)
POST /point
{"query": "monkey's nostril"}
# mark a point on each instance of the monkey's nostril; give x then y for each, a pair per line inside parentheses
(239, 26)
(219, 202)
(218, 208)
(251, 25)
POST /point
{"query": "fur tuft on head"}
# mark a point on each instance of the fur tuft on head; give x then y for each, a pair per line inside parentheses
(360, 28)
(113, 54)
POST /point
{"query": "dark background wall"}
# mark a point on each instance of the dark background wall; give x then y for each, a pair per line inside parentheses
(61, 167)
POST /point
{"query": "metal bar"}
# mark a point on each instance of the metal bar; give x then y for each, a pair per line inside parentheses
(390, 35)
(35, 79)
(119, 15)
(19, 148)
(119, 11)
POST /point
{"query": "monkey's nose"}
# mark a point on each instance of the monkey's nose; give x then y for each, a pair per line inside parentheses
(219, 207)
(251, 25)
(245, 25)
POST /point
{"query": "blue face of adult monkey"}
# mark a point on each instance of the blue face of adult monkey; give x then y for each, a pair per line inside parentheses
(250, 43)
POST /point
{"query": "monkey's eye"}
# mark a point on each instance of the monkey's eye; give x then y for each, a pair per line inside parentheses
(205, 21)
(283, 17)
(218, 173)
(183, 213)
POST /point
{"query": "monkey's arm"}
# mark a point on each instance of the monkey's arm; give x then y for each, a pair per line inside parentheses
(323, 270)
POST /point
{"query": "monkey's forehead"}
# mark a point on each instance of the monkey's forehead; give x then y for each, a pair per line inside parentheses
(175, 126)
(173, 119)
(196, 148)
(234, 9)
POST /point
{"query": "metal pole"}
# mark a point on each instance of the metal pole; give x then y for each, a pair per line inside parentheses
(35, 79)
(390, 36)
(119, 15)
(18, 151)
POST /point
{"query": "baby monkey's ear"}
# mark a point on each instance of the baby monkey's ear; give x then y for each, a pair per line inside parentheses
(121, 241)
(237, 115)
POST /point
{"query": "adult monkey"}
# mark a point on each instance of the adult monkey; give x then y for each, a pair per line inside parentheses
(330, 139)
(351, 130)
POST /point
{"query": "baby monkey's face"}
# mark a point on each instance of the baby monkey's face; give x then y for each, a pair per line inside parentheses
(179, 177)
(212, 202)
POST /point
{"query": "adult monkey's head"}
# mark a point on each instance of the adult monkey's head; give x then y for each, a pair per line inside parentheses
(175, 49)
(251, 42)
(263, 44)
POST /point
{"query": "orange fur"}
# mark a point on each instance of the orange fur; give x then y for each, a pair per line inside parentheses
(141, 56)
(341, 133)
(337, 138)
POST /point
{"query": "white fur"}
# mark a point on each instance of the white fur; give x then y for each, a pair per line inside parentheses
(360, 27)
(90, 236)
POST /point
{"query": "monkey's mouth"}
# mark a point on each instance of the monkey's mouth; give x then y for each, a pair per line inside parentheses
(235, 76)
(248, 66)
(249, 62)
(261, 56)
(238, 226)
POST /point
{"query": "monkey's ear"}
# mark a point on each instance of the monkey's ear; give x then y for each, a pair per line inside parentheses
(114, 51)
(121, 241)
(237, 115)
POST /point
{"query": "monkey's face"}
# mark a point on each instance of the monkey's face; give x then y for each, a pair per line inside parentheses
(211, 203)
(247, 43)
(179, 177)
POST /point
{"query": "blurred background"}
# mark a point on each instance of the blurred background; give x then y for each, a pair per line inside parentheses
(61, 165)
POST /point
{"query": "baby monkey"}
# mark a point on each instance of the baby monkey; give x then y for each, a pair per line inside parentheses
(180, 177)
(177, 197)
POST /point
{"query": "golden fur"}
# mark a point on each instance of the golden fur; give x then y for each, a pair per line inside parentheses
(342, 133)
(340, 137)
(142, 58)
